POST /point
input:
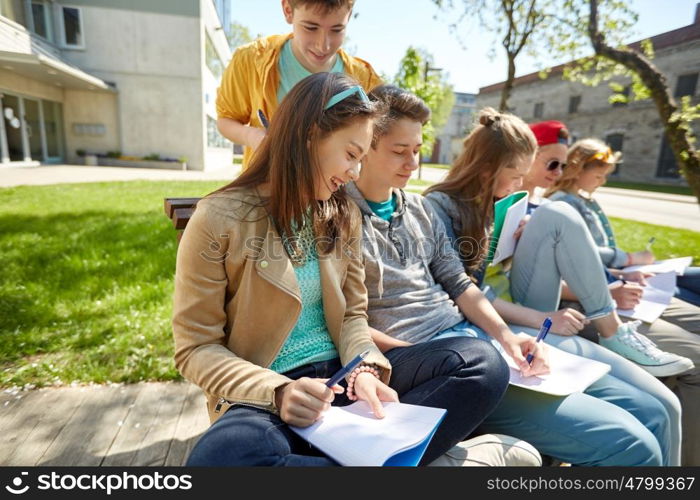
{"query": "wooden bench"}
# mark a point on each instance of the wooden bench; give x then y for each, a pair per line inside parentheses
(179, 210)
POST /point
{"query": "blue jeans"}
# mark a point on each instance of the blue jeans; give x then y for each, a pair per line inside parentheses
(465, 376)
(556, 245)
(688, 286)
(611, 423)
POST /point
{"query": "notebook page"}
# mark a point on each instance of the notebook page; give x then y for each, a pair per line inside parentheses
(352, 435)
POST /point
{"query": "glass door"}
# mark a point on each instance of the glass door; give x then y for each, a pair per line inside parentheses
(53, 130)
(11, 117)
(32, 119)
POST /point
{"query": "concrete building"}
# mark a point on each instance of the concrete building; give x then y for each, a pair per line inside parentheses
(449, 141)
(132, 77)
(633, 128)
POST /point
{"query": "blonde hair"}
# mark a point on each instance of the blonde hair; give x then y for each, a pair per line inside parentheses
(583, 155)
(497, 142)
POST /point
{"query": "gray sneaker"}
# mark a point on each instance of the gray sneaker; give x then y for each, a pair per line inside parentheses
(632, 345)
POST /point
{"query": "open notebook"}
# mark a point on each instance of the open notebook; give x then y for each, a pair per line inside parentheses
(568, 373)
(352, 435)
(656, 297)
(508, 212)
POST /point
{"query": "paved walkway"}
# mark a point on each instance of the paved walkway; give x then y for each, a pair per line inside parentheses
(146, 424)
(645, 206)
(63, 174)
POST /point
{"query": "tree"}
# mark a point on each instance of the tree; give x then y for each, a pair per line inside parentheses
(415, 76)
(238, 35)
(516, 21)
(604, 24)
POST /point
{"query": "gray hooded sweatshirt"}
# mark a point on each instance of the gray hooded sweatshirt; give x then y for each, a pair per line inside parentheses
(412, 273)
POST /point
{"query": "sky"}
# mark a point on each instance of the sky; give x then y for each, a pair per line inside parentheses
(384, 29)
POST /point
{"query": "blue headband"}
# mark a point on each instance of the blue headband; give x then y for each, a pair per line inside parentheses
(346, 93)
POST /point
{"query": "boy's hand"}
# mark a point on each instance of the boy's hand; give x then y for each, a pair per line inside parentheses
(518, 347)
(255, 137)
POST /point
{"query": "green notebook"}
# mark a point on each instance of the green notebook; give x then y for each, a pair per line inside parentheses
(500, 210)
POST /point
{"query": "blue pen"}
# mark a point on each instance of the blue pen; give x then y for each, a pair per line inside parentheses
(263, 119)
(347, 369)
(544, 330)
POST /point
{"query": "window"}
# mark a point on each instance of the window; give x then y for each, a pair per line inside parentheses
(686, 85)
(667, 162)
(14, 10)
(72, 21)
(615, 142)
(214, 138)
(625, 92)
(213, 60)
(574, 103)
(539, 110)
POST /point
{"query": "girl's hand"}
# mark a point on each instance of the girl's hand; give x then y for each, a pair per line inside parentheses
(301, 402)
(518, 347)
(641, 258)
(567, 321)
(626, 295)
(372, 390)
(521, 227)
(637, 276)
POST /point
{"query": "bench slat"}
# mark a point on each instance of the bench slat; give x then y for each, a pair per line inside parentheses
(181, 217)
(172, 204)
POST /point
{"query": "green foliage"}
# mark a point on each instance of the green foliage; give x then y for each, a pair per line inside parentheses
(239, 35)
(113, 154)
(152, 157)
(417, 76)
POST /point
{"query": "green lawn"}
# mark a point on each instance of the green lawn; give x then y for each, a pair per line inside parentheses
(86, 282)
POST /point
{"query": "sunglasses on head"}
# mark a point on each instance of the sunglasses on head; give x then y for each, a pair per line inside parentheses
(554, 164)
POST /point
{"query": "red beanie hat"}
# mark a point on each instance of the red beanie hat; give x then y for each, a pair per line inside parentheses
(548, 132)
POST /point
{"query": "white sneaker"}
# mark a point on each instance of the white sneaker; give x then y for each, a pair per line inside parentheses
(630, 344)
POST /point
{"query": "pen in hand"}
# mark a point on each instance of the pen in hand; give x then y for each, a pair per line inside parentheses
(347, 369)
(544, 330)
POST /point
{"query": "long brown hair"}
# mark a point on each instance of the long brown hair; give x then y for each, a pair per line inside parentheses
(287, 158)
(497, 141)
(583, 155)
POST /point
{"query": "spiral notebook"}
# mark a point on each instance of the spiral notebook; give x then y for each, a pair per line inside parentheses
(352, 436)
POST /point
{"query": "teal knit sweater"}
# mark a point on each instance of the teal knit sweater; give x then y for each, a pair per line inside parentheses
(309, 341)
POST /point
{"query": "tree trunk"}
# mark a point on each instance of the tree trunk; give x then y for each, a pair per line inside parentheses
(508, 85)
(678, 138)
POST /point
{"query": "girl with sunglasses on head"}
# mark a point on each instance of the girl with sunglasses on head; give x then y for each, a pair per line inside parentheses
(590, 161)
(555, 245)
(270, 300)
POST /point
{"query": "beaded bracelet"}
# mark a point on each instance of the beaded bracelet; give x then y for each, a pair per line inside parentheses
(353, 374)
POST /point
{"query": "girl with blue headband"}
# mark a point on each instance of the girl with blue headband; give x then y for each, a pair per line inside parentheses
(270, 299)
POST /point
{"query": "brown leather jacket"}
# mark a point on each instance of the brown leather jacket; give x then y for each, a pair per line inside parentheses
(237, 299)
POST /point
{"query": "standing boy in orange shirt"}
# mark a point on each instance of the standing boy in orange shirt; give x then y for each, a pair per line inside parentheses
(262, 72)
